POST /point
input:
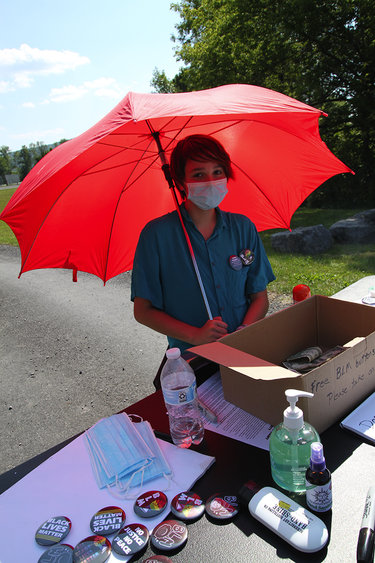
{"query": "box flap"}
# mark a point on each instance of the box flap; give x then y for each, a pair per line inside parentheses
(242, 362)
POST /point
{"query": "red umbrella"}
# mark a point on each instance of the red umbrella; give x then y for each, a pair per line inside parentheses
(84, 204)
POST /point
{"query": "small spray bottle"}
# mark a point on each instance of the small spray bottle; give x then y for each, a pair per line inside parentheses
(290, 444)
(318, 481)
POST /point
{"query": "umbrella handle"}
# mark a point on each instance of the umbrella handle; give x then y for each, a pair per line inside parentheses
(168, 177)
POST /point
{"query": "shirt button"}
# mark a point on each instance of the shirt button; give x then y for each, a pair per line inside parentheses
(218, 286)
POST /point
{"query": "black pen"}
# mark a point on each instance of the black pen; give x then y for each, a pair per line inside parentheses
(365, 545)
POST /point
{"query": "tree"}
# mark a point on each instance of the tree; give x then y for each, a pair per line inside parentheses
(5, 163)
(321, 52)
(24, 161)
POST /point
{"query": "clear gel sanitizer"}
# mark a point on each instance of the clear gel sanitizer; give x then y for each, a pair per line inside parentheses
(290, 446)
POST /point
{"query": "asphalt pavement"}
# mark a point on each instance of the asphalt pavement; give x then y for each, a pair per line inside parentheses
(70, 353)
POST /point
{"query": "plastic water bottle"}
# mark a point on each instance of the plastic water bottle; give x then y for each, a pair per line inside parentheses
(180, 396)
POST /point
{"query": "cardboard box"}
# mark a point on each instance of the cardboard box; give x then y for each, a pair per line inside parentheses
(250, 360)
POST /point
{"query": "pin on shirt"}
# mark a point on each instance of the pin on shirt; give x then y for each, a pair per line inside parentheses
(245, 258)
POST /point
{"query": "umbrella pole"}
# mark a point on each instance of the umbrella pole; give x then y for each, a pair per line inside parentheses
(168, 177)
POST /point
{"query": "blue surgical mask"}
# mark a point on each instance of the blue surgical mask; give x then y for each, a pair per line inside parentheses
(207, 195)
(159, 466)
(124, 454)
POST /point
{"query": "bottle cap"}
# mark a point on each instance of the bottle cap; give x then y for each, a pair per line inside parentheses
(173, 353)
(317, 460)
(293, 416)
(301, 292)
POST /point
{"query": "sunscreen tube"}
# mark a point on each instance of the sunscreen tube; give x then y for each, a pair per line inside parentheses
(289, 520)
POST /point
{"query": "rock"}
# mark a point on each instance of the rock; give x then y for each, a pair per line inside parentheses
(303, 240)
(357, 229)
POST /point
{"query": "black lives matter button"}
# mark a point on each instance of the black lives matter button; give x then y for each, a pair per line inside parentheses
(53, 530)
(130, 540)
(107, 521)
(61, 553)
(222, 507)
(92, 549)
(150, 504)
(169, 535)
(187, 505)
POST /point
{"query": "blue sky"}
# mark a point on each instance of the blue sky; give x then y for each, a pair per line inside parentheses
(64, 65)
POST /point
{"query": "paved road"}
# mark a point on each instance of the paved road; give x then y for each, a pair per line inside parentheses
(70, 353)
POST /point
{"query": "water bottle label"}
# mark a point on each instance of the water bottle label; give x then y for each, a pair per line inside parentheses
(180, 396)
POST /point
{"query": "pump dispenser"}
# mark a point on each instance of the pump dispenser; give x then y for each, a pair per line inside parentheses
(290, 445)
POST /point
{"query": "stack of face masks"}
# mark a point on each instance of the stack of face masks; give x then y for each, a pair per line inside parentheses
(124, 454)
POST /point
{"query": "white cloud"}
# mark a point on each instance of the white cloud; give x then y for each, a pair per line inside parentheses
(103, 87)
(21, 65)
(44, 135)
(5, 87)
(28, 105)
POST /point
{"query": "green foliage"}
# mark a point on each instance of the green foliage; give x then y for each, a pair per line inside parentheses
(321, 52)
(5, 163)
(24, 161)
(6, 234)
(325, 273)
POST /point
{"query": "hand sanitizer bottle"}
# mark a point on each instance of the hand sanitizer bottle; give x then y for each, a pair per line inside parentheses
(290, 446)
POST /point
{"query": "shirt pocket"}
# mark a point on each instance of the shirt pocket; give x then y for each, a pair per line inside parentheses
(237, 287)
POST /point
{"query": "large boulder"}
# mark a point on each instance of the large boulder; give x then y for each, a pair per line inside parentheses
(357, 229)
(303, 240)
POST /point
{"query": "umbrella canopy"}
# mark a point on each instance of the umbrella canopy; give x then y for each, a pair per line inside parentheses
(84, 204)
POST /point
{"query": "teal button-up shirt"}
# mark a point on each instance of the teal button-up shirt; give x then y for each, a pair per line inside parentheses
(163, 272)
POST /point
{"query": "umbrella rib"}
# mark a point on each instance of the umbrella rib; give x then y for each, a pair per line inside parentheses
(115, 211)
(262, 192)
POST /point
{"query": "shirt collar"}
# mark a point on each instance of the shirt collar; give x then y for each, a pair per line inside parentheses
(220, 217)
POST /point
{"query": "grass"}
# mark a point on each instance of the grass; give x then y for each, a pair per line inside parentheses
(325, 273)
(6, 234)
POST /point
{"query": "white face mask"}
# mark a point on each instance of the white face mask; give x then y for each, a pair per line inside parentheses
(207, 195)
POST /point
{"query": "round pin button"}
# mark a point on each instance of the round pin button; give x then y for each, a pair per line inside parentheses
(93, 548)
(235, 262)
(107, 521)
(63, 553)
(130, 540)
(53, 530)
(157, 559)
(222, 507)
(246, 256)
(169, 535)
(150, 504)
(187, 505)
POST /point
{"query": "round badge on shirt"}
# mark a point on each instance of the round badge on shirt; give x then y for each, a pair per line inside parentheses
(53, 530)
(246, 256)
(235, 262)
(107, 521)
